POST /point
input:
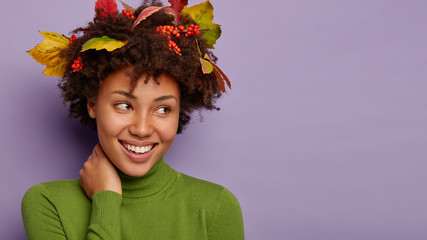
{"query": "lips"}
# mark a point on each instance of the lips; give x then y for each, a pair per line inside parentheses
(138, 149)
(138, 152)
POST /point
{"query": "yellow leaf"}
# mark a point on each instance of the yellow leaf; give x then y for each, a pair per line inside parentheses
(206, 66)
(47, 53)
(203, 15)
(104, 42)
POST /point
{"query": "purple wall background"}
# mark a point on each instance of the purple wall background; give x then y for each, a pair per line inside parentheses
(321, 137)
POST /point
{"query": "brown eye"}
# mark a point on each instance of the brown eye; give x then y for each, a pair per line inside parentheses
(123, 106)
(163, 110)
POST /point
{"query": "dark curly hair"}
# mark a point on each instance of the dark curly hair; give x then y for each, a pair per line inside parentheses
(148, 52)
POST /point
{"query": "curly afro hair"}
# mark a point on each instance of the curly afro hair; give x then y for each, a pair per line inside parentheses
(148, 52)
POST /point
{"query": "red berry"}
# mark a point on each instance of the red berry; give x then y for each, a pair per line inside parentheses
(124, 11)
(178, 35)
(181, 27)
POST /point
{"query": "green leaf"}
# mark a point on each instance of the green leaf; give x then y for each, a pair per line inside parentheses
(104, 42)
(203, 15)
(206, 66)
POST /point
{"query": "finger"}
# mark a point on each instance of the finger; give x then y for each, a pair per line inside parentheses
(99, 151)
(95, 150)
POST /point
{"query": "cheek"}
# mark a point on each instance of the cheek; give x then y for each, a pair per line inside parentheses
(167, 130)
(109, 126)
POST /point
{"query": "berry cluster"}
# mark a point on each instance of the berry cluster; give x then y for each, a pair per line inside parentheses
(176, 31)
(72, 38)
(173, 46)
(77, 65)
(192, 30)
(128, 13)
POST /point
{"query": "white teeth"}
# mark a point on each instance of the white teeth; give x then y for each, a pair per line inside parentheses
(141, 149)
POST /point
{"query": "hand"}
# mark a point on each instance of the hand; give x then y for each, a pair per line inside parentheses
(98, 174)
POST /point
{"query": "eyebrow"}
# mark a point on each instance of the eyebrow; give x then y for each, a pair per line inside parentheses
(126, 94)
(165, 98)
(131, 96)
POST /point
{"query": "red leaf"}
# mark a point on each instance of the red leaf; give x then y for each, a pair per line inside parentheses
(144, 14)
(175, 9)
(178, 5)
(221, 77)
(104, 8)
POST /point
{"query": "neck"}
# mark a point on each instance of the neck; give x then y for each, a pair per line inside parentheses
(157, 179)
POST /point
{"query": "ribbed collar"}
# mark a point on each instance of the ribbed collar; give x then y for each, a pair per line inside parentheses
(158, 178)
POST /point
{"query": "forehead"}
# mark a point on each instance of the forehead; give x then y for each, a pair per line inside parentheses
(120, 80)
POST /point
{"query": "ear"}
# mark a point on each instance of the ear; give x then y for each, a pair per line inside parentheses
(91, 107)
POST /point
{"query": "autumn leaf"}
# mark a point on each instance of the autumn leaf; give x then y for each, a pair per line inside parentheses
(178, 5)
(175, 9)
(104, 42)
(198, 48)
(144, 14)
(104, 8)
(47, 53)
(222, 78)
(206, 66)
(127, 7)
(203, 15)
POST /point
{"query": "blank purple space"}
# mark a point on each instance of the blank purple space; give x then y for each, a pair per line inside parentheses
(321, 136)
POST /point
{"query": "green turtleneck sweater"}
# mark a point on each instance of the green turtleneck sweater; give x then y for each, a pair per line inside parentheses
(161, 205)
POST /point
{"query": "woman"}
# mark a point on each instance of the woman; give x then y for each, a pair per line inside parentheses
(135, 76)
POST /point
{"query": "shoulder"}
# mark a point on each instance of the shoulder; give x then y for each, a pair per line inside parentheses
(59, 186)
(206, 191)
(55, 191)
(199, 185)
(224, 218)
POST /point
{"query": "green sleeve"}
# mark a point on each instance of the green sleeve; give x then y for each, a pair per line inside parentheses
(41, 219)
(227, 223)
(105, 216)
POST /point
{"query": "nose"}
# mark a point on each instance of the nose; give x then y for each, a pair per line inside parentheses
(141, 126)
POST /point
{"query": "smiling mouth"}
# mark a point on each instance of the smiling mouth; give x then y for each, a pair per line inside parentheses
(138, 149)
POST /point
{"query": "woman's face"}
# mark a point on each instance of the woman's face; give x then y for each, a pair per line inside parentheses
(135, 129)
